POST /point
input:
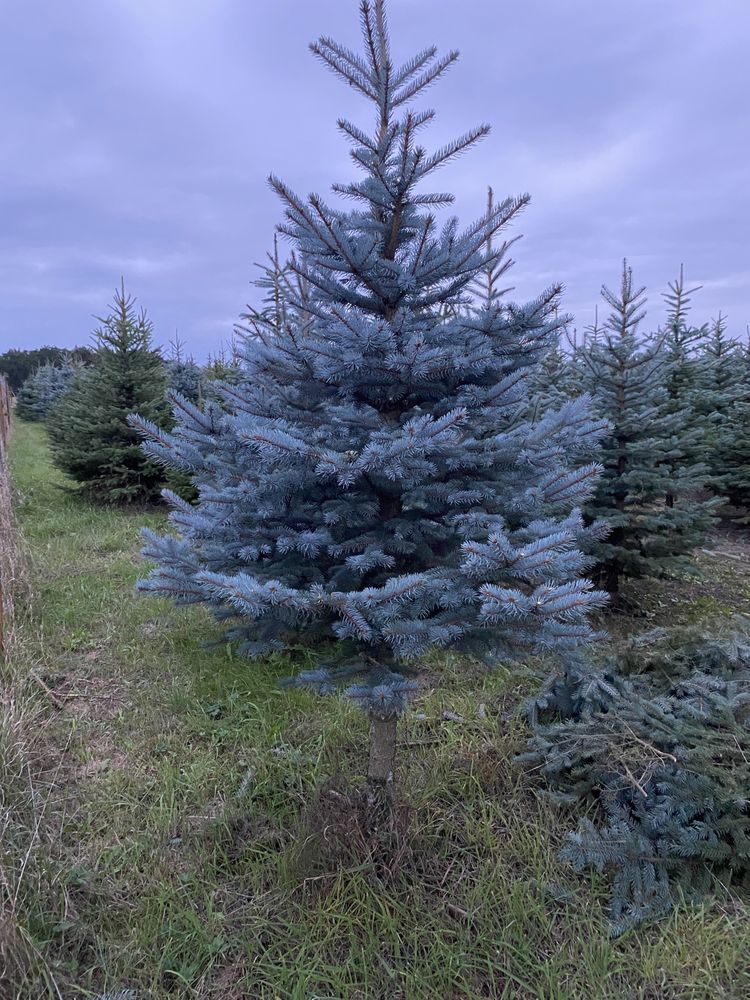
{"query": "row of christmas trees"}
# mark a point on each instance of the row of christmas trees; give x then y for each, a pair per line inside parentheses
(677, 401)
(41, 391)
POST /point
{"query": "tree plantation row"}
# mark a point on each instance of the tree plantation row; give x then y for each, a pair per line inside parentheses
(675, 457)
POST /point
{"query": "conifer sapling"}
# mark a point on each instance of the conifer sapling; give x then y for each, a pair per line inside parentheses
(91, 438)
(371, 477)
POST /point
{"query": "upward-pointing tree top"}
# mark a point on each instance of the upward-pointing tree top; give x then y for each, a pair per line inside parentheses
(391, 253)
(124, 328)
(677, 299)
(628, 308)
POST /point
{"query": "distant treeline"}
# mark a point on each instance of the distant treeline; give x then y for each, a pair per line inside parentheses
(17, 365)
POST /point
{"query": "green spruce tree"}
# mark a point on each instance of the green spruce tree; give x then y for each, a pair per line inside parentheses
(554, 382)
(91, 439)
(653, 742)
(733, 462)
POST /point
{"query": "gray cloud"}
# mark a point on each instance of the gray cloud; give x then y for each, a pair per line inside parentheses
(137, 137)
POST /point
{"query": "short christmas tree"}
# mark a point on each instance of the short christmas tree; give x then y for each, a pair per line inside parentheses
(650, 490)
(561, 376)
(43, 389)
(91, 439)
(373, 477)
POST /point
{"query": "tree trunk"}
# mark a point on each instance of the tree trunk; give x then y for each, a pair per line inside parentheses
(612, 581)
(380, 772)
(382, 753)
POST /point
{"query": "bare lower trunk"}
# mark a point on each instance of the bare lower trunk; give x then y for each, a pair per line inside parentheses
(382, 753)
(380, 773)
(612, 581)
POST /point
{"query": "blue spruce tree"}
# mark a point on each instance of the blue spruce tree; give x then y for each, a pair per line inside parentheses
(43, 388)
(373, 477)
(184, 376)
(721, 374)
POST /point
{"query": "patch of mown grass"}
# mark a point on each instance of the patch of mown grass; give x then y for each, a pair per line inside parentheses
(208, 840)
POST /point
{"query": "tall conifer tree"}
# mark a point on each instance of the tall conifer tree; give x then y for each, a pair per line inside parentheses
(681, 339)
(373, 478)
(721, 369)
(732, 460)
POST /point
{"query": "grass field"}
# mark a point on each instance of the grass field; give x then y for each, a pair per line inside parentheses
(176, 825)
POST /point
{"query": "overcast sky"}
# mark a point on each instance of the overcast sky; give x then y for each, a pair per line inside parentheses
(136, 137)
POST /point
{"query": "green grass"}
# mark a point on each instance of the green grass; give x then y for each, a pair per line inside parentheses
(204, 843)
